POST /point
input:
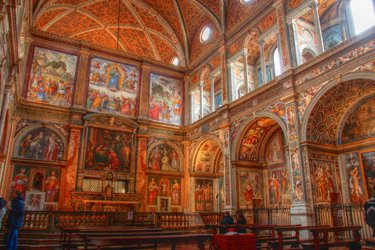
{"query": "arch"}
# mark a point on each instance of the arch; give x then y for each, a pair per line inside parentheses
(199, 145)
(51, 155)
(331, 84)
(170, 144)
(245, 126)
(350, 111)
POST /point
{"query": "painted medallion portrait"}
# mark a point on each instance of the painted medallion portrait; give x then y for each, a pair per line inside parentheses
(113, 87)
(52, 77)
(41, 144)
(108, 150)
(165, 99)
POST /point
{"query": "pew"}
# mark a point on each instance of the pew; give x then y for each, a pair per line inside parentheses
(324, 243)
(129, 242)
(67, 231)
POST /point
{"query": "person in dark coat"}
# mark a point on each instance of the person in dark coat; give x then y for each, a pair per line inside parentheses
(3, 209)
(370, 213)
(241, 220)
(15, 221)
(227, 220)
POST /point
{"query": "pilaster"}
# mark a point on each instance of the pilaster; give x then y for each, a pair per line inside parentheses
(141, 178)
(144, 91)
(82, 78)
(284, 44)
(187, 187)
(224, 74)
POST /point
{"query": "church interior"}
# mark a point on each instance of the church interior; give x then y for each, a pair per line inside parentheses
(168, 113)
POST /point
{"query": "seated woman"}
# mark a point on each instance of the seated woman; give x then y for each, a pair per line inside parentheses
(241, 220)
(227, 220)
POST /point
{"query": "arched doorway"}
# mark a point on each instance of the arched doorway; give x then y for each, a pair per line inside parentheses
(207, 171)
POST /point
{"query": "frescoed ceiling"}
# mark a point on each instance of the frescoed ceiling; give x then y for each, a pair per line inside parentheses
(159, 30)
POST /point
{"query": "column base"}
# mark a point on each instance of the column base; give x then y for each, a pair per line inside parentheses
(302, 214)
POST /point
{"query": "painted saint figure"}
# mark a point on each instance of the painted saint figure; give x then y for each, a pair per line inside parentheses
(155, 159)
(165, 161)
(152, 191)
(176, 191)
(19, 184)
(52, 186)
(114, 79)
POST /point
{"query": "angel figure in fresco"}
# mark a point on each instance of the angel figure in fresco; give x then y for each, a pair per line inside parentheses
(176, 191)
(165, 161)
(19, 183)
(52, 186)
(152, 191)
(114, 79)
(155, 159)
(356, 190)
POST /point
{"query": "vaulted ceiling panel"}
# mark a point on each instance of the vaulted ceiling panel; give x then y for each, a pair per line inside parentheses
(166, 51)
(99, 38)
(48, 16)
(136, 43)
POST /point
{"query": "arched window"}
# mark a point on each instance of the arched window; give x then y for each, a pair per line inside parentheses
(363, 15)
(276, 62)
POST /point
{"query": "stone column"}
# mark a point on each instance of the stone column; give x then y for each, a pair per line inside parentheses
(141, 178)
(144, 91)
(4, 107)
(212, 81)
(301, 212)
(283, 38)
(252, 83)
(232, 82)
(298, 59)
(245, 71)
(224, 74)
(81, 87)
(318, 29)
(262, 62)
(69, 173)
(6, 178)
(185, 199)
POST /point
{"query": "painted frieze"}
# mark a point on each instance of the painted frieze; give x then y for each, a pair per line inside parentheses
(113, 87)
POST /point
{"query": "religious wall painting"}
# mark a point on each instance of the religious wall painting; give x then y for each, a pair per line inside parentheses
(203, 195)
(31, 180)
(279, 187)
(218, 100)
(205, 158)
(368, 160)
(360, 124)
(34, 201)
(40, 143)
(221, 195)
(108, 150)
(354, 178)
(113, 87)
(52, 77)
(165, 102)
(323, 176)
(249, 147)
(274, 154)
(163, 187)
(250, 188)
(332, 36)
(164, 157)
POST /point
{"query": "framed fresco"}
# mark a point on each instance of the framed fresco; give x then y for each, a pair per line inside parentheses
(205, 158)
(41, 144)
(113, 87)
(354, 178)
(250, 187)
(166, 99)
(51, 77)
(34, 201)
(164, 188)
(324, 179)
(279, 187)
(368, 160)
(275, 150)
(36, 179)
(108, 150)
(332, 36)
(164, 157)
(203, 195)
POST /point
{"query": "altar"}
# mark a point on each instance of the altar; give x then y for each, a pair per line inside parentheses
(108, 205)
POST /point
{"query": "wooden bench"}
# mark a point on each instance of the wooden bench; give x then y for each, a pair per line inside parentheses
(172, 240)
(293, 241)
(324, 243)
(67, 231)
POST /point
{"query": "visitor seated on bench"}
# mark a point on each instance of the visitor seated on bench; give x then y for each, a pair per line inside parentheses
(241, 221)
(227, 220)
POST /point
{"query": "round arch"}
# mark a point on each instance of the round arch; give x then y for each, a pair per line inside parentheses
(199, 145)
(344, 118)
(243, 128)
(328, 86)
(173, 146)
(21, 134)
